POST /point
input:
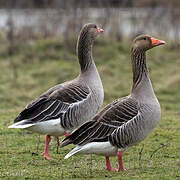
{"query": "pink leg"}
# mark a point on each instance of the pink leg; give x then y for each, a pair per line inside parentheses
(108, 165)
(46, 148)
(120, 162)
(67, 134)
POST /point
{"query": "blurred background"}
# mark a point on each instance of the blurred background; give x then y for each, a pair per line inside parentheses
(120, 18)
(42, 31)
(38, 50)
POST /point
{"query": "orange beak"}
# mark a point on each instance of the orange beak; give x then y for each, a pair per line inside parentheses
(156, 42)
(100, 30)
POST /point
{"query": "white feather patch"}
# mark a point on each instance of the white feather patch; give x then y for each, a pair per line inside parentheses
(99, 148)
(20, 125)
(50, 127)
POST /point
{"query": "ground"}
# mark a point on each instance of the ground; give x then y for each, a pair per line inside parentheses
(38, 65)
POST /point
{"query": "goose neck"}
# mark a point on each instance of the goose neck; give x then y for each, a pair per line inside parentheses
(84, 51)
(141, 82)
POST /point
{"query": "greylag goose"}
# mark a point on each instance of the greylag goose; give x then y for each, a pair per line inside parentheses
(66, 106)
(126, 121)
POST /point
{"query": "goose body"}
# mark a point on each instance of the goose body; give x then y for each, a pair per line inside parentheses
(131, 122)
(55, 115)
(126, 121)
(66, 106)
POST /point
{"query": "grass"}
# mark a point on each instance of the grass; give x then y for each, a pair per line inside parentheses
(42, 64)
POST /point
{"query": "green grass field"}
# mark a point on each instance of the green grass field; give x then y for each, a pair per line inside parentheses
(38, 65)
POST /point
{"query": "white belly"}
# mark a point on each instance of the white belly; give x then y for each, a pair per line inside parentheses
(51, 127)
(98, 148)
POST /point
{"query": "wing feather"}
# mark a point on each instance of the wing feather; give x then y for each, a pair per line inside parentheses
(103, 125)
(54, 104)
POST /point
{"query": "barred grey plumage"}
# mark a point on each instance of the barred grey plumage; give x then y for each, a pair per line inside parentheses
(126, 121)
(66, 106)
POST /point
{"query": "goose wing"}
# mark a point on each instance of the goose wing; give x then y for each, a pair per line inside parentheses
(54, 103)
(104, 124)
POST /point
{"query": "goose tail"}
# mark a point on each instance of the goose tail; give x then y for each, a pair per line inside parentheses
(21, 125)
(74, 151)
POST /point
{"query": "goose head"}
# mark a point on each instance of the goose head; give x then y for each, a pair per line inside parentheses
(146, 42)
(90, 32)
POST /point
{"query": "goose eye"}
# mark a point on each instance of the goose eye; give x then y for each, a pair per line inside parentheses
(144, 38)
